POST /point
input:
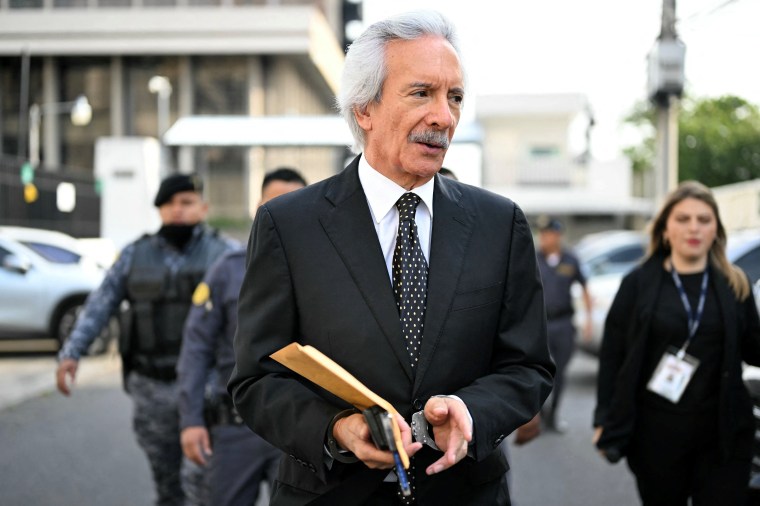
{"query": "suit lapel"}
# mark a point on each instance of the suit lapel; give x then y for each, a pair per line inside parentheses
(349, 226)
(452, 227)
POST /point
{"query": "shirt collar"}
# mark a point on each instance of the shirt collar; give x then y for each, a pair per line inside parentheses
(382, 193)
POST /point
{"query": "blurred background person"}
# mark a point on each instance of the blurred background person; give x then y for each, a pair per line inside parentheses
(559, 270)
(156, 275)
(239, 459)
(670, 391)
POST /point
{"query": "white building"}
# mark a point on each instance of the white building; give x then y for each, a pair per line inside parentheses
(221, 57)
(536, 152)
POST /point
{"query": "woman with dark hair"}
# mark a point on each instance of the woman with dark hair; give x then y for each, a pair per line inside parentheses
(670, 394)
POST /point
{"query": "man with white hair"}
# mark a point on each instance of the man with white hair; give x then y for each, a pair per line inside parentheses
(423, 288)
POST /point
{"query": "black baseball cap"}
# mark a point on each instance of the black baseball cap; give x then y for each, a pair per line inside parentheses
(547, 223)
(177, 183)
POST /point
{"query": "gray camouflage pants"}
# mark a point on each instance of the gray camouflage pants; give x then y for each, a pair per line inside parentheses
(179, 481)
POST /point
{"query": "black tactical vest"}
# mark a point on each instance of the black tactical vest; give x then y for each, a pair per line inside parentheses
(159, 301)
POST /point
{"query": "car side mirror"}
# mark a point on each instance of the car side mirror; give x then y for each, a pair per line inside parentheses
(15, 263)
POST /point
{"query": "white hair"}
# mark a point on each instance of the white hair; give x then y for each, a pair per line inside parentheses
(364, 70)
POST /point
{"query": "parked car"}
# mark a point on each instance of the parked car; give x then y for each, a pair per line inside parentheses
(606, 257)
(751, 377)
(46, 277)
(610, 252)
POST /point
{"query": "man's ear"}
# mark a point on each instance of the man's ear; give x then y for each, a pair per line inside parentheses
(363, 117)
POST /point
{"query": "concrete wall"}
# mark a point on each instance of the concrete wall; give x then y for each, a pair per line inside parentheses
(739, 204)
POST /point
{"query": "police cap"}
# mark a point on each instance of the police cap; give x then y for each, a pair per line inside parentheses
(550, 223)
(177, 183)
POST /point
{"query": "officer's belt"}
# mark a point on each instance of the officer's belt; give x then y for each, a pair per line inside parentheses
(147, 366)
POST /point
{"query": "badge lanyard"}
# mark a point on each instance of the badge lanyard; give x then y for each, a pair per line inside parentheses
(693, 318)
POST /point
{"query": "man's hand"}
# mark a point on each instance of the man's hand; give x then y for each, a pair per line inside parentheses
(597, 434)
(196, 444)
(588, 329)
(67, 367)
(452, 430)
(352, 434)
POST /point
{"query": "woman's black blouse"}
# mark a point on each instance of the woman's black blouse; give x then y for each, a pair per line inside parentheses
(669, 328)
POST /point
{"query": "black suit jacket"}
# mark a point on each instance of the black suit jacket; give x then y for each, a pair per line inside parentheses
(316, 275)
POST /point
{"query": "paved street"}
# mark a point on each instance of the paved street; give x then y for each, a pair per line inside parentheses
(75, 451)
(81, 451)
(565, 470)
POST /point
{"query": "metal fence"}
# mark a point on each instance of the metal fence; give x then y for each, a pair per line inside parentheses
(43, 211)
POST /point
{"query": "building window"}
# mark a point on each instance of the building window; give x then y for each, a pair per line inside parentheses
(546, 151)
(159, 3)
(222, 169)
(90, 77)
(14, 130)
(69, 3)
(25, 4)
(142, 105)
(221, 85)
(114, 3)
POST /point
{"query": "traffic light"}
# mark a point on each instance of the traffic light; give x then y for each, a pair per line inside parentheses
(31, 194)
(27, 173)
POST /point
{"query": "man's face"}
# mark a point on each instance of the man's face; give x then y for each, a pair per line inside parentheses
(549, 240)
(184, 208)
(408, 132)
(276, 187)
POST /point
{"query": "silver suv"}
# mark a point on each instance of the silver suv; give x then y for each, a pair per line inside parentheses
(46, 277)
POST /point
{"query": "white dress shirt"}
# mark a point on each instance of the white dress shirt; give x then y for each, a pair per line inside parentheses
(382, 194)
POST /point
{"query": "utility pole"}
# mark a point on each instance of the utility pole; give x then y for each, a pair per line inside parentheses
(665, 87)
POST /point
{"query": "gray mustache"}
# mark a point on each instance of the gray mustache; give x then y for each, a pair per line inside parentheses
(439, 139)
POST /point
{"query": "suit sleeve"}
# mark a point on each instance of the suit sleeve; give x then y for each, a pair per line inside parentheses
(264, 392)
(613, 349)
(522, 371)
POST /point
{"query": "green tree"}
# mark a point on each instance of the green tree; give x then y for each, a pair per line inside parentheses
(718, 140)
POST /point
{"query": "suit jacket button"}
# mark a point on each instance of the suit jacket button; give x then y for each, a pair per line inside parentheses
(417, 404)
(498, 440)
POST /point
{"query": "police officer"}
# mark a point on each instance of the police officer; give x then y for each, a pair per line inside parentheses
(241, 459)
(156, 275)
(559, 270)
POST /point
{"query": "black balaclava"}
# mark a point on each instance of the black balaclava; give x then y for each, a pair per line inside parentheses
(177, 235)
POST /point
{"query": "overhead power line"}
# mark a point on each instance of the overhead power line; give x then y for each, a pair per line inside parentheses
(707, 11)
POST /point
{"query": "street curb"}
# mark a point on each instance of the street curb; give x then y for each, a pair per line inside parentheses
(28, 378)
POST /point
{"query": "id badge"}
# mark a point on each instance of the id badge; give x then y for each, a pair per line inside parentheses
(673, 374)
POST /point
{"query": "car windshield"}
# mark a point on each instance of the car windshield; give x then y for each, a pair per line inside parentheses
(609, 253)
(52, 253)
(743, 249)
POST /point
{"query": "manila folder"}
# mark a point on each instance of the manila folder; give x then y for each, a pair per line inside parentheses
(318, 368)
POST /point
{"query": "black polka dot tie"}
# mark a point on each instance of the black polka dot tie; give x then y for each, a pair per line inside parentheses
(410, 273)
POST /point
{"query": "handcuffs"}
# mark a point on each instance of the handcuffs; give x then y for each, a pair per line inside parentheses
(421, 430)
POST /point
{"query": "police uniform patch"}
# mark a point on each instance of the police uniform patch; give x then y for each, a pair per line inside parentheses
(566, 269)
(201, 294)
